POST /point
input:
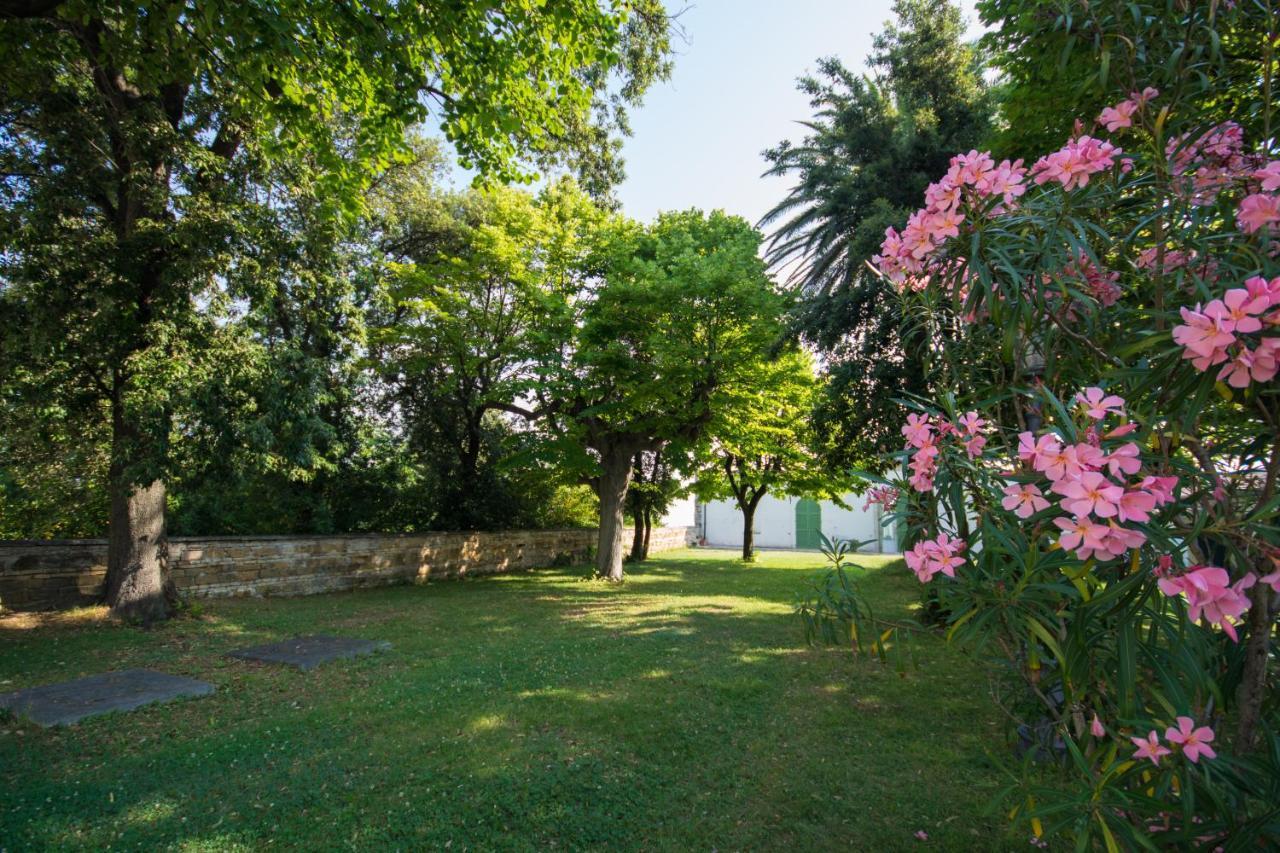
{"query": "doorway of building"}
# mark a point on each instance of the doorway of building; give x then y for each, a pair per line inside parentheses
(808, 524)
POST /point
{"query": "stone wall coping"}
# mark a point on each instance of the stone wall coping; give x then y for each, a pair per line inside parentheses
(277, 537)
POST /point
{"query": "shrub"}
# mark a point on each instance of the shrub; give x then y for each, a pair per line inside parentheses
(1093, 497)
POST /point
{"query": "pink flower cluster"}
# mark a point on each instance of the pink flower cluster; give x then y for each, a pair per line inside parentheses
(1212, 335)
(1075, 162)
(1206, 268)
(1194, 742)
(1121, 115)
(1211, 162)
(1214, 161)
(1261, 210)
(885, 496)
(932, 556)
(1211, 595)
(1101, 284)
(1258, 211)
(905, 258)
(924, 434)
(1100, 489)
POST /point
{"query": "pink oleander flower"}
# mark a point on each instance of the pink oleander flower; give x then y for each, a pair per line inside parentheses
(1075, 162)
(1211, 595)
(1120, 540)
(1038, 450)
(1118, 117)
(1272, 580)
(1248, 365)
(1239, 309)
(1258, 211)
(1095, 727)
(1098, 403)
(1136, 505)
(971, 423)
(1270, 176)
(1194, 742)
(923, 465)
(1124, 460)
(1150, 747)
(973, 446)
(1121, 115)
(1164, 565)
(1004, 180)
(1148, 94)
(1090, 494)
(1161, 488)
(1260, 289)
(921, 835)
(1082, 535)
(1073, 461)
(929, 557)
(886, 496)
(1023, 499)
(1203, 338)
(922, 483)
(918, 430)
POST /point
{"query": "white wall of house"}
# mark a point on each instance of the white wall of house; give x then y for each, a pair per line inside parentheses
(720, 524)
(681, 513)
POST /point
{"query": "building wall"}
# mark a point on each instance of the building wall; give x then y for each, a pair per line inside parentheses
(775, 524)
(46, 575)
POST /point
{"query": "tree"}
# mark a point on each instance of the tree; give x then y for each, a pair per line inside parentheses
(473, 276)
(762, 442)
(134, 140)
(870, 150)
(650, 352)
(655, 483)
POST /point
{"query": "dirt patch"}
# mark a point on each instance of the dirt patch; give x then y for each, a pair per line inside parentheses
(80, 617)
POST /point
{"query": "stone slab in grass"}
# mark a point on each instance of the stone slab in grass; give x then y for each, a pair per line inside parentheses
(71, 701)
(309, 652)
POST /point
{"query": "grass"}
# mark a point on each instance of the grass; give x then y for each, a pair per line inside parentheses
(679, 711)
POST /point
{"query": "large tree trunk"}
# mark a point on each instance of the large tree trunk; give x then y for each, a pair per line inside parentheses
(1253, 680)
(612, 491)
(137, 585)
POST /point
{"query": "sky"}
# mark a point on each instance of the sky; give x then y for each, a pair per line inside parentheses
(697, 139)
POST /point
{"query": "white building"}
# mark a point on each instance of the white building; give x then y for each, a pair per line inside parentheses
(782, 522)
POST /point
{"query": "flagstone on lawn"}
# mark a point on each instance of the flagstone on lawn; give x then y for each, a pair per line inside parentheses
(69, 702)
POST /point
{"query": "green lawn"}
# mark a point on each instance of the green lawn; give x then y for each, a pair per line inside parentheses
(680, 711)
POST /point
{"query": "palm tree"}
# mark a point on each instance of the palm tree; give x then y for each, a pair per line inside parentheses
(872, 146)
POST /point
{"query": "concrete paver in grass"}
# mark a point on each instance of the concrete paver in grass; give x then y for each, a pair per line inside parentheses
(309, 652)
(69, 702)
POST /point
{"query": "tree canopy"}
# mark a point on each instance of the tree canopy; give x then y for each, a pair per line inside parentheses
(149, 148)
(763, 442)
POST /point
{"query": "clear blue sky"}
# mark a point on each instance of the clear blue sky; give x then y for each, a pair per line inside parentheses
(697, 139)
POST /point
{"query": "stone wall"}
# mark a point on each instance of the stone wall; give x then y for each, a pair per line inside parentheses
(49, 575)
